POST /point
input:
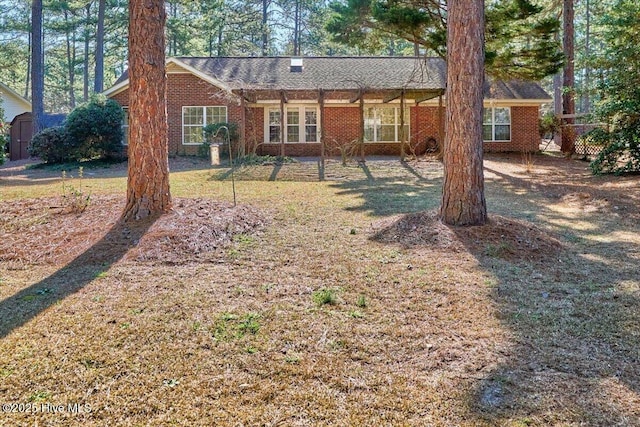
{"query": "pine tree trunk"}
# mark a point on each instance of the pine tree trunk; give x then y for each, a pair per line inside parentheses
(296, 29)
(99, 73)
(85, 61)
(71, 59)
(568, 96)
(148, 175)
(265, 27)
(37, 66)
(463, 201)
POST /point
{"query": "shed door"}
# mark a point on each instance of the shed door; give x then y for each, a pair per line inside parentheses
(26, 132)
(21, 133)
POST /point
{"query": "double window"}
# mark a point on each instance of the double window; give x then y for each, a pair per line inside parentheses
(300, 124)
(195, 118)
(383, 124)
(496, 124)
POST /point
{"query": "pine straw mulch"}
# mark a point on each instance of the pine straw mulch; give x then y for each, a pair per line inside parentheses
(509, 239)
(48, 231)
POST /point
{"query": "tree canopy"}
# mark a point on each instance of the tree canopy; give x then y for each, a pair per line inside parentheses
(619, 90)
(520, 35)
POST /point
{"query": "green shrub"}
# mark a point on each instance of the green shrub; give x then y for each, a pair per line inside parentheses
(4, 140)
(549, 125)
(96, 128)
(621, 152)
(214, 135)
(92, 130)
(52, 145)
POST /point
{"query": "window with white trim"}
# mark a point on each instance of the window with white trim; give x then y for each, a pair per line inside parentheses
(274, 125)
(300, 124)
(496, 124)
(125, 126)
(382, 124)
(196, 118)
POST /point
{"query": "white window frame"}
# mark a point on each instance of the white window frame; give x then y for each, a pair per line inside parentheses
(301, 125)
(493, 124)
(372, 123)
(204, 120)
(125, 126)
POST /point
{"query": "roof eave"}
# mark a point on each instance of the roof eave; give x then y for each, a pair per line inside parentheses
(518, 101)
(5, 88)
(123, 85)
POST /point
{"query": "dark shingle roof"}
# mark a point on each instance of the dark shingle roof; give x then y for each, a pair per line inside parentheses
(513, 89)
(344, 73)
(50, 120)
(331, 73)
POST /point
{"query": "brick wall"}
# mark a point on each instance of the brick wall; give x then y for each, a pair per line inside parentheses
(425, 125)
(189, 90)
(341, 122)
(524, 132)
(341, 127)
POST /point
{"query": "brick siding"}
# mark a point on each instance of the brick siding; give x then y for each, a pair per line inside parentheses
(341, 122)
(525, 137)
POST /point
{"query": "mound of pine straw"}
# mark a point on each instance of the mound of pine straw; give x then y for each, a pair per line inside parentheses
(49, 231)
(506, 238)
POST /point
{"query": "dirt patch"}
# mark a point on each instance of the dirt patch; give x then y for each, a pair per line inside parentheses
(44, 231)
(506, 238)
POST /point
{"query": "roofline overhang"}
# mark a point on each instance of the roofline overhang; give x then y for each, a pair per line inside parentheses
(123, 85)
(516, 102)
(5, 88)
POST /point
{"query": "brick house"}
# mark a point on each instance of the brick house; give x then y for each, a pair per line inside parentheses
(323, 105)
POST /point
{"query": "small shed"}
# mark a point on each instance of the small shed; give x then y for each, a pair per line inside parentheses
(21, 132)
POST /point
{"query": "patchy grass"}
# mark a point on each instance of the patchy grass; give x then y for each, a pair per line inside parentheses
(212, 315)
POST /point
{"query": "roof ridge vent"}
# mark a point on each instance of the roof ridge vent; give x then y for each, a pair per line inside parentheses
(296, 65)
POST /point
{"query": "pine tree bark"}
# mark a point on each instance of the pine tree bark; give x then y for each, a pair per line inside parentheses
(37, 66)
(85, 60)
(99, 70)
(70, 42)
(148, 191)
(463, 201)
(568, 95)
(265, 27)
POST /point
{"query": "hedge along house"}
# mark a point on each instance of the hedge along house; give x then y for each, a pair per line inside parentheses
(319, 106)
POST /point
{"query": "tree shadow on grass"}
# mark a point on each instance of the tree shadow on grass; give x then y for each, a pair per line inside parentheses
(23, 306)
(573, 314)
(575, 338)
(570, 308)
(391, 195)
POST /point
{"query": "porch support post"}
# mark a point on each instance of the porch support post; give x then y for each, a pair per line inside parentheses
(361, 109)
(282, 128)
(243, 125)
(321, 123)
(403, 137)
(440, 127)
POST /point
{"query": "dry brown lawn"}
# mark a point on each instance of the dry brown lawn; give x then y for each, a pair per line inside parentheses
(341, 302)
